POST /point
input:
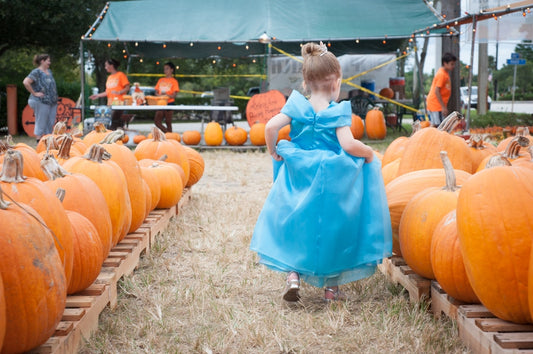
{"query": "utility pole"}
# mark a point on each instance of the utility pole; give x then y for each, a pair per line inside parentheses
(452, 9)
(483, 64)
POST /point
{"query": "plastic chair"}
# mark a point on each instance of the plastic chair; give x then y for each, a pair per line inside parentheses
(221, 97)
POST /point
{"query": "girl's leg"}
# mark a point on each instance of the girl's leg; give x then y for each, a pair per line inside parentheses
(158, 121)
(332, 293)
(292, 288)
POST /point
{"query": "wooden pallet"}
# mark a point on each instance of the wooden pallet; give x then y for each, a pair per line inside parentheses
(398, 271)
(442, 303)
(80, 318)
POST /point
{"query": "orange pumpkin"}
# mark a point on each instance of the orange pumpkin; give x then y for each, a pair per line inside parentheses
(284, 133)
(138, 138)
(513, 151)
(112, 183)
(159, 146)
(447, 260)
(31, 166)
(235, 136)
(126, 160)
(495, 223)
(401, 189)
(420, 217)
(170, 184)
(376, 129)
(173, 135)
(152, 182)
(257, 134)
(357, 127)
(83, 196)
(88, 253)
(424, 147)
(192, 137)
(60, 128)
(213, 134)
(96, 135)
(35, 288)
(479, 150)
(197, 164)
(34, 193)
(390, 170)
(386, 92)
(395, 150)
(2, 312)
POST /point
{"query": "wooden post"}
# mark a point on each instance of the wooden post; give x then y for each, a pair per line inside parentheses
(12, 126)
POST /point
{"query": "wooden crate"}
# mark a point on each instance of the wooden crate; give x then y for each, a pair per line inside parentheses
(81, 315)
(398, 271)
(442, 303)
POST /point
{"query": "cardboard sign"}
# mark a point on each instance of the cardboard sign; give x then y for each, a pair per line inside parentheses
(66, 111)
(264, 106)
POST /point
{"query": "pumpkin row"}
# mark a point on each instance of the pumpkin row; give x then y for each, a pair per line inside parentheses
(61, 213)
(468, 225)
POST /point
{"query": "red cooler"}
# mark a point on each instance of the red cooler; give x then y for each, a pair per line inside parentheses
(397, 84)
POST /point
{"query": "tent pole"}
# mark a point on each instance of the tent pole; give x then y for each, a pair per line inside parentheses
(474, 25)
(420, 83)
(82, 94)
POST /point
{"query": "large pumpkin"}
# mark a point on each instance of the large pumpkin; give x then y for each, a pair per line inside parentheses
(126, 160)
(357, 128)
(257, 134)
(401, 189)
(159, 147)
(83, 196)
(88, 253)
(420, 217)
(424, 147)
(96, 135)
(112, 183)
(394, 150)
(35, 288)
(197, 166)
(2, 312)
(479, 150)
(152, 181)
(170, 183)
(235, 135)
(447, 260)
(376, 129)
(213, 135)
(31, 166)
(36, 194)
(495, 224)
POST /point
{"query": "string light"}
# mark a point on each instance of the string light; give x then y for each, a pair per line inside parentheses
(157, 62)
(234, 65)
(329, 44)
(109, 45)
(214, 61)
(219, 47)
(357, 41)
(136, 44)
(253, 60)
(164, 45)
(141, 60)
(247, 47)
(191, 44)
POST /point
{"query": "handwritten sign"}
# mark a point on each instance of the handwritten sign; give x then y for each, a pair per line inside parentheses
(264, 106)
(66, 111)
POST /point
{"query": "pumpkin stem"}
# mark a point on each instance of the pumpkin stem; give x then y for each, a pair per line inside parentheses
(51, 168)
(522, 131)
(76, 132)
(113, 137)
(99, 127)
(497, 160)
(60, 194)
(158, 135)
(60, 128)
(3, 147)
(50, 143)
(3, 203)
(476, 141)
(64, 148)
(12, 168)
(449, 123)
(164, 157)
(451, 182)
(9, 140)
(97, 153)
(512, 151)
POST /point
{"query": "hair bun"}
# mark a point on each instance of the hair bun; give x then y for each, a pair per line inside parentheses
(313, 49)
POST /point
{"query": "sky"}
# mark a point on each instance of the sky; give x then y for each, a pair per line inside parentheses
(503, 34)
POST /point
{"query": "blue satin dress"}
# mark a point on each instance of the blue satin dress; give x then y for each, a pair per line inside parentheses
(326, 216)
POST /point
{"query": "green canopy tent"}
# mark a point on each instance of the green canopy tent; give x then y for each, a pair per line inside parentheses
(241, 28)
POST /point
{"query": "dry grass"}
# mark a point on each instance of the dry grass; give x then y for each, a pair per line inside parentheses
(201, 289)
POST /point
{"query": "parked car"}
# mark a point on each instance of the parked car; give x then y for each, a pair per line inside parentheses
(147, 90)
(473, 97)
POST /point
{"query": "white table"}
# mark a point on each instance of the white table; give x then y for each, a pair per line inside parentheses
(180, 107)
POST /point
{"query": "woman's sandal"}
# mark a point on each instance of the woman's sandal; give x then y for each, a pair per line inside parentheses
(292, 288)
(333, 294)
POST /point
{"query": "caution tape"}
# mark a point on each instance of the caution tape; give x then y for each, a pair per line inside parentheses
(201, 92)
(382, 97)
(262, 76)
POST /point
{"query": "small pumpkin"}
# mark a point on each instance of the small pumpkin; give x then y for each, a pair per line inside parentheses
(376, 129)
(173, 135)
(386, 92)
(357, 127)
(257, 134)
(284, 133)
(138, 138)
(192, 137)
(197, 164)
(235, 136)
(213, 134)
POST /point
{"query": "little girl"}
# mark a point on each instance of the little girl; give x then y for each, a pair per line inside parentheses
(326, 218)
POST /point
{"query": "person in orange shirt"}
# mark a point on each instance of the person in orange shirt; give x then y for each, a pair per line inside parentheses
(166, 86)
(441, 90)
(117, 85)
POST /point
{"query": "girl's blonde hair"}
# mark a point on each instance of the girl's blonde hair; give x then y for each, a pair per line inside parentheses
(320, 67)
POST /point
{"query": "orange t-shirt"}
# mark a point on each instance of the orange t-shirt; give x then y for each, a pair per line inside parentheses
(167, 85)
(115, 82)
(441, 80)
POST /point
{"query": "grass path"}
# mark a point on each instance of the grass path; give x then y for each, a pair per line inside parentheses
(201, 290)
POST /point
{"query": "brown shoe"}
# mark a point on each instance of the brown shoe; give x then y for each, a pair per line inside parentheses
(292, 288)
(333, 294)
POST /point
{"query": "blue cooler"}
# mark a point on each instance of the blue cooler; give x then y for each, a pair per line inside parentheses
(370, 85)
